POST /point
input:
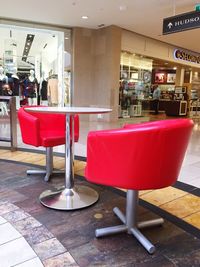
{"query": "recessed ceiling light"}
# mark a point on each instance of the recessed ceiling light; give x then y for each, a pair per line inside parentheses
(84, 17)
(174, 68)
(66, 38)
(122, 8)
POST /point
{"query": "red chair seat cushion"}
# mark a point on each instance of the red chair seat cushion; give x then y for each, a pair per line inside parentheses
(52, 138)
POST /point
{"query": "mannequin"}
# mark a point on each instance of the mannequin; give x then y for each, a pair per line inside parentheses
(14, 75)
(31, 76)
(2, 75)
(52, 90)
(31, 88)
(43, 88)
(3, 79)
(15, 82)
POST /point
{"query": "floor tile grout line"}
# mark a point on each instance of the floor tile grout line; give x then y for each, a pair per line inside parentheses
(3, 223)
(21, 236)
(191, 215)
(67, 251)
(167, 201)
(178, 198)
(26, 261)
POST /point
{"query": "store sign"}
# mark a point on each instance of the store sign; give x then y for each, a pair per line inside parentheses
(182, 22)
(183, 55)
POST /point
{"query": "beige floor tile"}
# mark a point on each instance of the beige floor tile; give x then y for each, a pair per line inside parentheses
(79, 165)
(193, 219)
(161, 196)
(184, 206)
(59, 164)
(143, 192)
(80, 172)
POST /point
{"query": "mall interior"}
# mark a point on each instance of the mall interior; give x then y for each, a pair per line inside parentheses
(99, 134)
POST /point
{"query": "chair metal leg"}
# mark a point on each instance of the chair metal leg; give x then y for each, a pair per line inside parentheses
(131, 209)
(119, 214)
(110, 230)
(49, 163)
(143, 240)
(130, 222)
(49, 166)
(150, 223)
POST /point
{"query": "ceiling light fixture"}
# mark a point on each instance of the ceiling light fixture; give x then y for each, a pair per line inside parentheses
(122, 8)
(174, 68)
(84, 17)
(66, 38)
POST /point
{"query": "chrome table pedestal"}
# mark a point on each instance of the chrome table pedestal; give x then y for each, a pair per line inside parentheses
(70, 197)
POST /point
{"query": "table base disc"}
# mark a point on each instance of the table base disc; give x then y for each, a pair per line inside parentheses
(69, 199)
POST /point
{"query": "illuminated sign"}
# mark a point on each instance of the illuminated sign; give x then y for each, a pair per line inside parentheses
(186, 56)
(182, 22)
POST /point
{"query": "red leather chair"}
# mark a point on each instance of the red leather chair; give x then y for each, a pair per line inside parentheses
(137, 157)
(47, 130)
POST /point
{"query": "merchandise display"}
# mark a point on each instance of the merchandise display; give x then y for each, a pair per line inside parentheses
(3, 80)
(31, 65)
(139, 76)
(52, 90)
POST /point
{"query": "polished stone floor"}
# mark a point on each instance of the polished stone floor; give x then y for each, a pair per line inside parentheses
(190, 172)
(32, 235)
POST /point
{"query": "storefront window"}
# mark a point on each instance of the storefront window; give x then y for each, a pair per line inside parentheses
(32, 65)
(135, 83)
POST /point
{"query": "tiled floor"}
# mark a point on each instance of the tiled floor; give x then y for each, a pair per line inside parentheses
(42, 248)
(20, 231)
(167, 199)
(52, 238)
(14, 249)
(190, 172)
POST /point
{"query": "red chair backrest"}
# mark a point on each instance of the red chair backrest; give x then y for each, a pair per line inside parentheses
(33, 123)
(140, 156)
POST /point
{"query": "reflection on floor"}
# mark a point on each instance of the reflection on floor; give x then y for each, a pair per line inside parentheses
(58, 239)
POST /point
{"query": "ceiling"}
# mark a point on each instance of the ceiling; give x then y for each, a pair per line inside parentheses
(44, 43)
(144, 17)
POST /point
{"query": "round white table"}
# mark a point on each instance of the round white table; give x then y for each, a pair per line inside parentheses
(72, 196)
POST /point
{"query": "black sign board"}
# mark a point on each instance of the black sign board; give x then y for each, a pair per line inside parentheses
(182, 22)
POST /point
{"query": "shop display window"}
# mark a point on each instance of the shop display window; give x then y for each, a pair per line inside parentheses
(160, 77)
(32, 65)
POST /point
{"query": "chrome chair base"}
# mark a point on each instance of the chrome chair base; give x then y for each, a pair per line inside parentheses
(49, 166)
(47, 175)
(129, 223)
(69, 199)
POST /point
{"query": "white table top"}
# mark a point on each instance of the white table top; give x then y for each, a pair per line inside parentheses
(69, 110)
